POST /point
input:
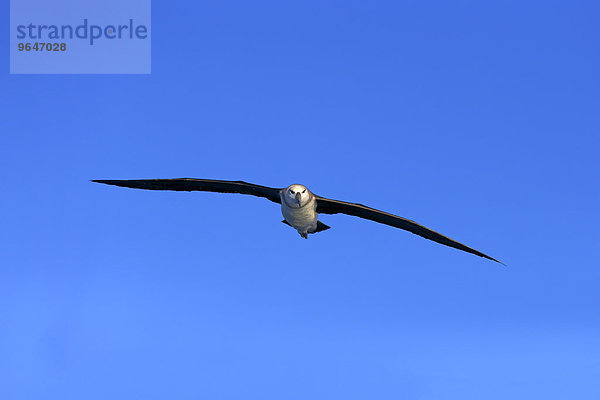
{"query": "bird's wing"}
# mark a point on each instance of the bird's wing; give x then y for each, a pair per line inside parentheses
(329, 206)
(205, 185)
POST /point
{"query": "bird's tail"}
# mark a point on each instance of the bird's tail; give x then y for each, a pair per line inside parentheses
(320, 226)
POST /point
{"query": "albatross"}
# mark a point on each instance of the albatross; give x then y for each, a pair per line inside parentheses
(299, 206)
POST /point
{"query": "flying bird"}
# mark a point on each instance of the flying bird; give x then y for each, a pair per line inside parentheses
(299, 206)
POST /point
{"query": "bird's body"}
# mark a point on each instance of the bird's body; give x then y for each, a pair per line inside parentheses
(299, 206)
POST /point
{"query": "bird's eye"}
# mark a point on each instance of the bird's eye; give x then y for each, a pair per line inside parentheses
(304, 191)
(291, 191)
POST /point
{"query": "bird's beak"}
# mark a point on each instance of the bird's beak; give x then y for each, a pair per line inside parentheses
(298, 196)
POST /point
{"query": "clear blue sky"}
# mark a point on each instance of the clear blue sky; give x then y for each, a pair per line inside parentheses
(478, 120)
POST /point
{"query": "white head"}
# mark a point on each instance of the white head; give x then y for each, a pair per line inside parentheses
(296, 196)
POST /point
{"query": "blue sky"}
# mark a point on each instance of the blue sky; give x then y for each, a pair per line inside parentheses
(477, 119)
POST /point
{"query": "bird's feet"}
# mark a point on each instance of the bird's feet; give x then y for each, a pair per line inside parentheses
(303, 234)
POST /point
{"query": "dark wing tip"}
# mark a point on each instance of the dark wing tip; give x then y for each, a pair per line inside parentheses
(480, 254)
(493, 259)
(105, 181)
(500, 262)
(130, 183)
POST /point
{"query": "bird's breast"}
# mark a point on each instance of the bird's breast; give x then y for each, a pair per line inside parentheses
(300, 217)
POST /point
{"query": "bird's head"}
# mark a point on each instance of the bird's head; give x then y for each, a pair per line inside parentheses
(297, 196)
